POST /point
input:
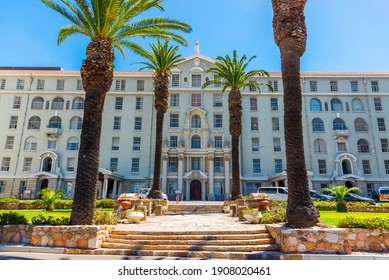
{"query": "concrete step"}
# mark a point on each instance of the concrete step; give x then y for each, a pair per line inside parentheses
(190, 232)
(193, 208)
(190, 237)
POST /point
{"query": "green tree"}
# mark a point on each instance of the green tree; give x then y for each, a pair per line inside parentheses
(49, 198)
(290, 35)
(109, 24)
(231, 74)
(161, 59)
(340, 193)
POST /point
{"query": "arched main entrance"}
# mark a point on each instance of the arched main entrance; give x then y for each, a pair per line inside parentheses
(349, 184)
(43, 185)
(195, 190)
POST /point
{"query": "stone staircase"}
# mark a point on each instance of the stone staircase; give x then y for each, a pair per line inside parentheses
(244, 244)
(195, 208)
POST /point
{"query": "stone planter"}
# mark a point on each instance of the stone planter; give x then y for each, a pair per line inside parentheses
(262, 204)
(125, 204)
(253, 217)
(134, 216)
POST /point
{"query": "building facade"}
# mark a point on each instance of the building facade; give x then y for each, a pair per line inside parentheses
(345, 132)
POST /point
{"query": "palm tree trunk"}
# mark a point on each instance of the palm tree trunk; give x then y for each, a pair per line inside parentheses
(161, 83)
(290, 35)
(97, 76)
(235, 111)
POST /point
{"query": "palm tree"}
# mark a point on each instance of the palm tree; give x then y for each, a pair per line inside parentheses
(161, 59)
(230, 73)
(109, 24)
(49, 198)
(290, 35)
(340, 193)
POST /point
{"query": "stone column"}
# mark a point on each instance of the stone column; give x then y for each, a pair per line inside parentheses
(227, 187)
(120, 187)
(180, 172)
(203, 197)
(105, 187)
(187, 194)
(114, 191)
(211, 187)
(164, 172)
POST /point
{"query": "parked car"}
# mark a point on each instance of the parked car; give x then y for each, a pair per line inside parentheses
(275, 193)
(145, 191)
(383, 194)
(315, 195)
(355, 197)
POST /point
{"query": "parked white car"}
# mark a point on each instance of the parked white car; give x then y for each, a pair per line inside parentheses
(275, 193)
(143, 193)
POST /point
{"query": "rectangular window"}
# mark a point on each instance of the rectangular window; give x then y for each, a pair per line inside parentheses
(253, 104)
(40, 84)
(2, 186)
(174, 100)
(252, 87)
(51, 144)
(377, 104)
(218, 120)
(274, 104)
(136, 144)
(278, 166)
(173, 141)
(115, 143)
(196, 163)
(120, 85)
(196, 80)
(384, 145)
(140, 85)
(375, 86)
(118, 103)
(341, 146)
(275, 123)
(17, 102)
(277, 144)
(366, 167)
(322, 166)
(79, 85)
(255, 144)
(313, 86)
(27, 164)
(135, 165)
(20, 84)
(174, 120)
(117, 123)
(138, 123)
(219, 81)
(13, 122)
(175, 80)
(196, 100)
(5, 164)
(254, 123)
(113, 164)
(218, 141)
(334, 86)
(218, 164)
(60, 84)
(386, 163)
(217, 100)
(139, 103)
(354, 86)
(256, 166)
(173, 164)
(2, 85)
(274, 84)
(71, 164)
(9, 143)
(381, 124)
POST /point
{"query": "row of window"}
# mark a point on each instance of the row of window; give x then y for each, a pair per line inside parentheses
(278, 167)
(119, 103)
(360, 125)
(346, 167)
(117, 123)
(354, 86)
(34, 122)
(58, 103)
(31, 143)
(363, 146)
(337, 106)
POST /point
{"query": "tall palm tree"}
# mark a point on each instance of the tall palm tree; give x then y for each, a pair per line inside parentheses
(290, 35)
(161, 59)
(109, 24)
(230, 73)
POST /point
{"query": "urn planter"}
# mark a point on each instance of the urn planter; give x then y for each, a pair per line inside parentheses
(134, 216)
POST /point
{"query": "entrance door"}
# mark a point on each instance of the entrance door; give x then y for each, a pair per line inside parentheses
(195, 190)
(44, 185)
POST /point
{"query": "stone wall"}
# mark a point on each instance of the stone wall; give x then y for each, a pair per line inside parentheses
(16, 233)
(329, 240)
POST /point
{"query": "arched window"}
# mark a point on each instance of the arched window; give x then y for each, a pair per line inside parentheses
(196, 121)
(360, 125)
(37, 103)
(315, 104)
(336, 105)
(78, 103)
(357, 105)
(75, 123)
(196, 142)
(73, 144)
(320, 146)
(338, 124)
(55, 122)
(363, 146)
(34, 122)
(57, 103)
(30, 144)
(317, 124)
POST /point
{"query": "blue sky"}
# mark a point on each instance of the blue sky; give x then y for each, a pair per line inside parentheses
(343, 35)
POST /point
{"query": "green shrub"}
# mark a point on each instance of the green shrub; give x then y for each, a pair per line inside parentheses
(105, 203)
(384, 204)
(49, 220)
(369, 223)
(325, 205)
(63, 204)
(273, 204)
(273, 216)
(358, 204)
(104, 218)
(12, 218)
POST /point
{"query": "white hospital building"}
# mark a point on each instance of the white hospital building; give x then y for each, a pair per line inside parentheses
(345, 120)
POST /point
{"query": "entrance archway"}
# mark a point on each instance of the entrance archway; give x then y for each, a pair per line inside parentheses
(346, 167)
(47, 164)
(44, 184)
(195, 190)
(349, 184)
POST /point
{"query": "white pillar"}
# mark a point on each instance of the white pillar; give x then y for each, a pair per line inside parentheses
(120, 187)
(180, 172)
(187, 194)
(115, 185)
(100, 186)
(227, 175)
(105, 187)
(203, 190)
(164, 173)
(211, 187)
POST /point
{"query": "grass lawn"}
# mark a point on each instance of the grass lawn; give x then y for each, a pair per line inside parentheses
(332, 217)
